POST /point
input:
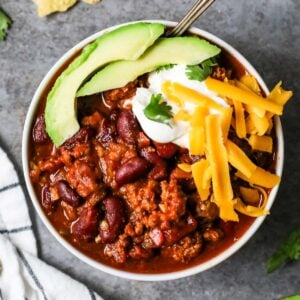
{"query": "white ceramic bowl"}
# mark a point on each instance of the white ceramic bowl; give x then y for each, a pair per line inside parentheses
(130, 275)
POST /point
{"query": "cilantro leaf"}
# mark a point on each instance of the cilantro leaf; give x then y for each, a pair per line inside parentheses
(5, 22)
(201, 72)
(157, 110)
(165, 67)
(289, 250)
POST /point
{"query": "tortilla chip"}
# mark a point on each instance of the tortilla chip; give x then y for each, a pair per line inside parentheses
(47, 7)
(91, 1)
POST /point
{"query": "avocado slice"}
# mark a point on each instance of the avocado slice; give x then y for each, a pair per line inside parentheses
(127, 42)
(178, 50)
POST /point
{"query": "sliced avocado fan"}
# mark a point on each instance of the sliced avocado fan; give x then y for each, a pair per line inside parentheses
(124, 43)
(178, 50)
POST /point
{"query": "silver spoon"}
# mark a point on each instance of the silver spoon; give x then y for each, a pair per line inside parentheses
(193, 14)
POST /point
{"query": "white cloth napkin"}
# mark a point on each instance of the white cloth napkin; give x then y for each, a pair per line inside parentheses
(22, 274)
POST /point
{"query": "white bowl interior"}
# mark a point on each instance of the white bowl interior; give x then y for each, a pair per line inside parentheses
(130, 275)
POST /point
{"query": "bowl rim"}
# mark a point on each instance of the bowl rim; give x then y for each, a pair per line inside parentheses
(126, 274)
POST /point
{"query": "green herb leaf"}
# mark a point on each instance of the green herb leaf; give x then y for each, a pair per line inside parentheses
(5, 22)
(295, 297)
(157, 110)
(165, 67)
(201, 72)
(289, 250)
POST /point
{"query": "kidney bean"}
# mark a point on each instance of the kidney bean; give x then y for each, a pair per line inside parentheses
(159, 170)
(166, 150)
(114, 217)
(157, 236)
(150, 155)
(82, 136)
(86, 226)
(131, 170)
(46, 198)
(67, 194)
(127, 126)
(39, 133)
(107, 132)
(175, 234)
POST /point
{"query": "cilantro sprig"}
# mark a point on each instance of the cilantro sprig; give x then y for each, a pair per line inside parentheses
(165, 67)
(200, 72)
(295, 297)
(5, 23)
(157, 110)
(289, 250)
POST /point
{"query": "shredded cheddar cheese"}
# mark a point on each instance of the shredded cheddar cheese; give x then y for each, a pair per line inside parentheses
(182, 115)
(261, 125)
(249, 210)
(260, 177)
(226, 117)
(279, 95)
(197, 141)
(250, 195)
(177, 92)
(197, 131)
(261, 143)
(228, 90)
(251, 83)
(167, 89)
(240, 124)
(253, 109)
(250, 115)
(217, 157)
(264, 196)
(239, 159)
(202, 175)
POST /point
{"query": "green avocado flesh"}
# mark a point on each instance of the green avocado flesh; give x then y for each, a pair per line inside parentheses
(177, 50)
(125, 43)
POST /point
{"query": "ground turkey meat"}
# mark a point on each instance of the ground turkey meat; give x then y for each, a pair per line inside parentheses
(173, 201)
(163, 218)
(118, 250)
(184, 250)
(82, 177)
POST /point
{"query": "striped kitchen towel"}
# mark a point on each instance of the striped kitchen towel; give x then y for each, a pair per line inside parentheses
(22, 274)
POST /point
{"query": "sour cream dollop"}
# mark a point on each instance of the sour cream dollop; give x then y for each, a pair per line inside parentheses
(177, 132)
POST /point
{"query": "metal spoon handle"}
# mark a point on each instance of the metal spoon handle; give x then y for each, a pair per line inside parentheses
(197, 10)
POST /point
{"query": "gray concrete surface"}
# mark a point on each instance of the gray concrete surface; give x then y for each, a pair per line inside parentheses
(267, 32)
